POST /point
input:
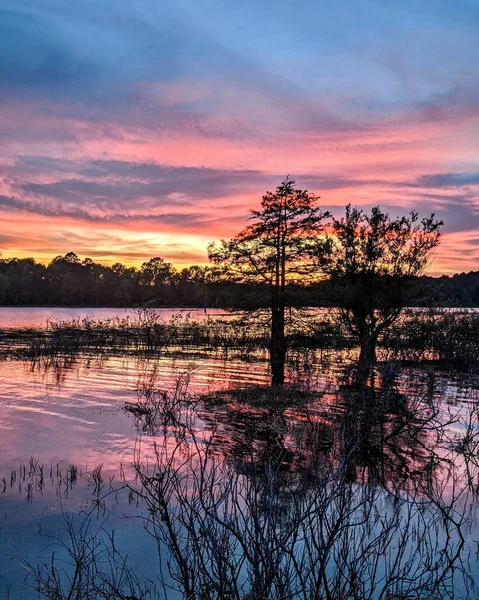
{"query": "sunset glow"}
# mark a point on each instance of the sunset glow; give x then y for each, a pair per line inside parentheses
(139, 129)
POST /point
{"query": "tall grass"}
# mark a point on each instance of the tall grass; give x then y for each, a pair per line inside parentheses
(451, 337)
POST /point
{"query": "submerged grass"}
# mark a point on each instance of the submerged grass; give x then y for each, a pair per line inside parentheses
(34, 479)
(277, 397)
(447, 337)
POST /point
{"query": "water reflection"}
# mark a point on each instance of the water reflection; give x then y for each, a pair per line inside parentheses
(326, 449)
(253, 527)
(391, 434)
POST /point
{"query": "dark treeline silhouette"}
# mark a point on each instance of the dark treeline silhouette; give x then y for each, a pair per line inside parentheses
(69, 281)
(460, 290)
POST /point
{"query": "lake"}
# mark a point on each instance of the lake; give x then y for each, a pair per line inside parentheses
(79, 430)
(38, 317)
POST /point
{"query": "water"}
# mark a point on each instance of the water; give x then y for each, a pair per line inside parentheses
(73, 412)
(37, 317)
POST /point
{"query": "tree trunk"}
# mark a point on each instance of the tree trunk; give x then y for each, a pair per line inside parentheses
(277, 349)
(367, 359)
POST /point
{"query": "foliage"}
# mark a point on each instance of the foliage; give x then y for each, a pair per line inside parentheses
(71, 282)
(275, 248)
(372, 259)
(25, 282)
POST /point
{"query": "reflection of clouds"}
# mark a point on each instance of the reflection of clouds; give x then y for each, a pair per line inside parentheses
(72, 412)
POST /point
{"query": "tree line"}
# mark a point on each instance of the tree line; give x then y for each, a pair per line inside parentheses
(69, 281)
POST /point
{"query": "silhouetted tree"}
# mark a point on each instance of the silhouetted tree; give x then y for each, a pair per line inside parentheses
(155, 275)
(190, 286)
(4, 287)
(23, 281)
(274, 250)
(373, 259)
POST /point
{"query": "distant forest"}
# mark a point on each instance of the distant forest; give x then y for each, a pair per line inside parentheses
(69, 281)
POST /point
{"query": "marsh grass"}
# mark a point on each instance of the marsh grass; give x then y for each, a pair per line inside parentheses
(162, 406)
(448, 337)
(34, 479)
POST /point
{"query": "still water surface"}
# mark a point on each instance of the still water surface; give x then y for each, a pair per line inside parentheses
(73, 413)
(26, 317)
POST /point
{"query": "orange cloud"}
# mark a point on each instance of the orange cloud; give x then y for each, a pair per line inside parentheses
(68, 205)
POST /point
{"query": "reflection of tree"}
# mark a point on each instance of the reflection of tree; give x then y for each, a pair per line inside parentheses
(277, 511)
(385, 434)
(55, 369)
(389, 437)
(382, 434)
(262, 426)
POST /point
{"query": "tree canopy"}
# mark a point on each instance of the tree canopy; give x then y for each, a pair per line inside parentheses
(276, 247)
(372, 259)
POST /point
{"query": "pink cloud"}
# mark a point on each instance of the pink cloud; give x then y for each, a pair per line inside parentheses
(381, 161)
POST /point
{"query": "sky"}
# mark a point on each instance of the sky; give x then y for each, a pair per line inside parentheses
(146, 128)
